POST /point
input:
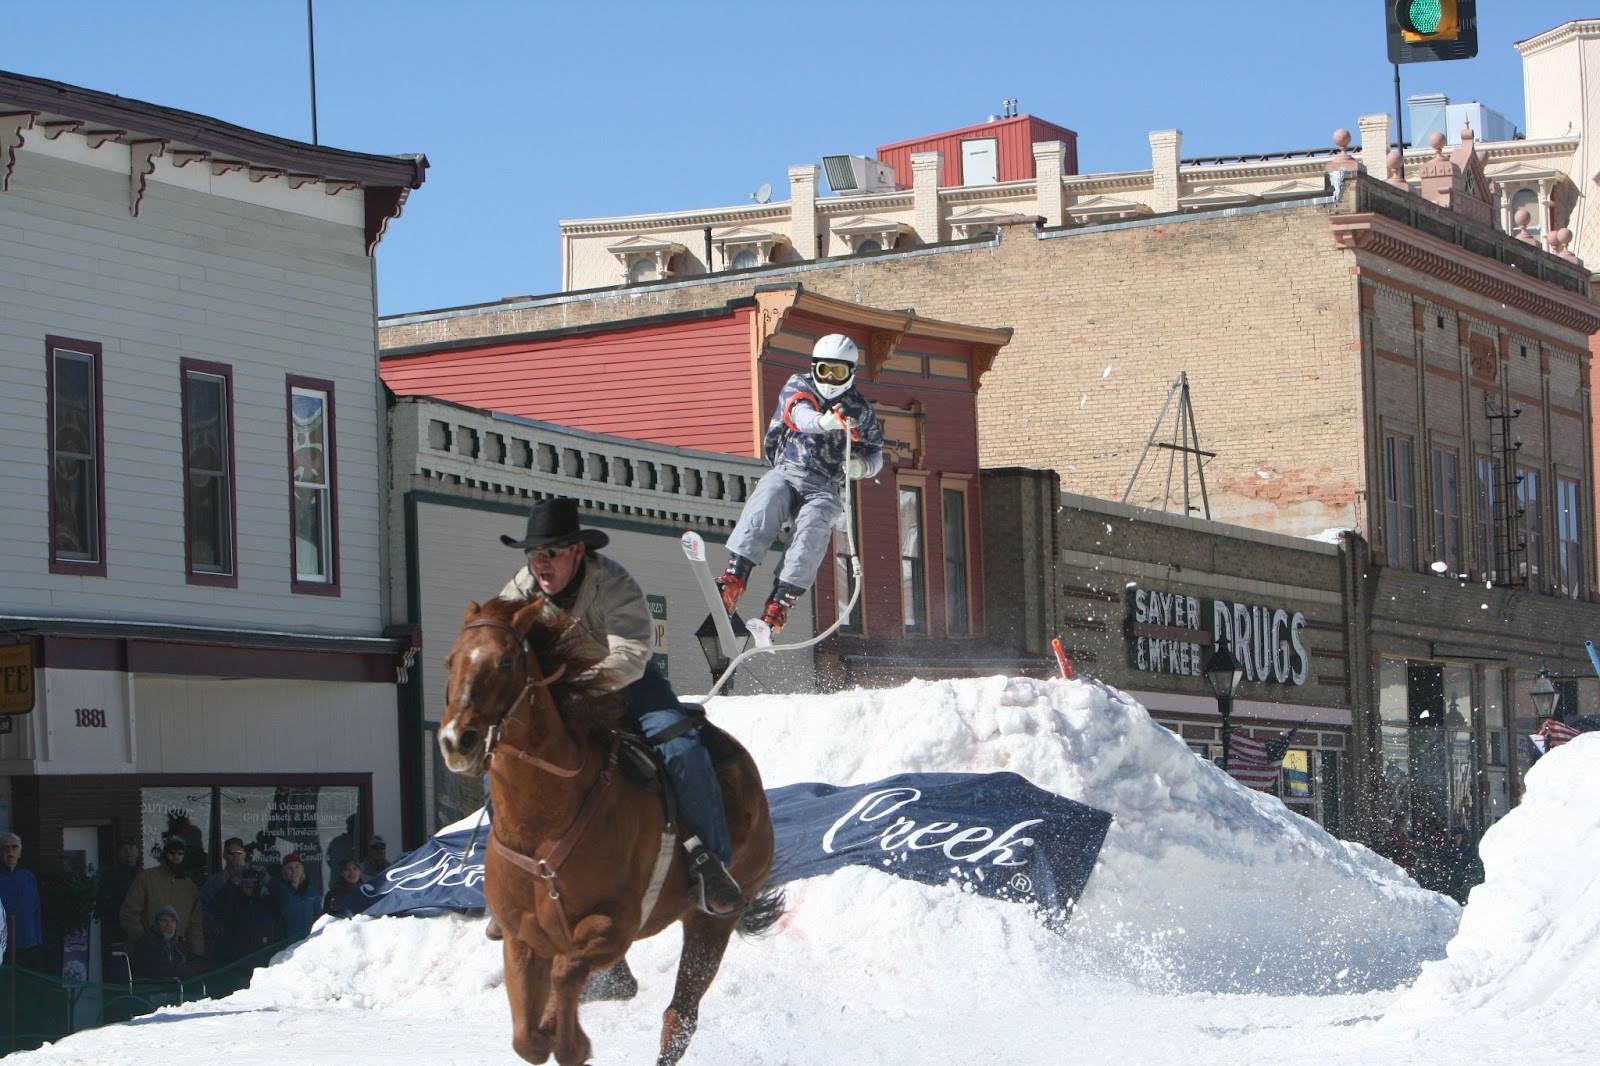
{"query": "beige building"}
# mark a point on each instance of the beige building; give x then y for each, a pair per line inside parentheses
(1547, 172)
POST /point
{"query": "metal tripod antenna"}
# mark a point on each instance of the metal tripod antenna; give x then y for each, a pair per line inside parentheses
(1185, 442)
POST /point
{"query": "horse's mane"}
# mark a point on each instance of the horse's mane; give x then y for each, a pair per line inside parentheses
(567, 655)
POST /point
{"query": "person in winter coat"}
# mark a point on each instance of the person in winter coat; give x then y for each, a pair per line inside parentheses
(249, 921)
(160, 954)
(1396, 847)
(19, 894)
(1463, 869)
(805, 446)
(565, 564)
(349, 881)
(297, 903)
(167, 885)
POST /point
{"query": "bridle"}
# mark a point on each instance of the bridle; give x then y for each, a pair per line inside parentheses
(492, 742)
(545, 869)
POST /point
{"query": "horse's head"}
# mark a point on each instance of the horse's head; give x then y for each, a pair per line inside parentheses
(490, 672)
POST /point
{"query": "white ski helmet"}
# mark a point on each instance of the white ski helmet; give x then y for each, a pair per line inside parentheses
(834, 348)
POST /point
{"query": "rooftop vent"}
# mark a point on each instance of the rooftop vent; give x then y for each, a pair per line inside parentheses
(857, 174)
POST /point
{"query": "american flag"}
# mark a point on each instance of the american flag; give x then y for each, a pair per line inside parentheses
(1556, 732)
(1256, 763)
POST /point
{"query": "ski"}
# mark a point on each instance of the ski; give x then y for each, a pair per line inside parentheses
(760, 632)
(694, 549)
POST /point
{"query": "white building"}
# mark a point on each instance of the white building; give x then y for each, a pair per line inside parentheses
(193, 618)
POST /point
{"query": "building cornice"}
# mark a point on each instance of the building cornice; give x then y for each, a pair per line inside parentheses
(1578, 29)
(712, 216)
(1376, 235)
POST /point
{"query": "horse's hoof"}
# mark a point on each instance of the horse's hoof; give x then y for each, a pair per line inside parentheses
(616, 983)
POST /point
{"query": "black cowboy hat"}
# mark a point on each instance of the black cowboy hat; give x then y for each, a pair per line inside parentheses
(553, 521)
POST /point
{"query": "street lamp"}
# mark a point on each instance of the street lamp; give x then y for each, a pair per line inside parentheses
(1224, 673)
(1545, 696)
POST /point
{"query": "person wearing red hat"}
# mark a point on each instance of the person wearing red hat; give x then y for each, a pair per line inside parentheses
(298, 904)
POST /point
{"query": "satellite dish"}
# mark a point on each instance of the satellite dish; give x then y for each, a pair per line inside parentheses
(763, 194)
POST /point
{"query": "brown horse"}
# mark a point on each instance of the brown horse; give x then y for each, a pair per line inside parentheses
(581, 861)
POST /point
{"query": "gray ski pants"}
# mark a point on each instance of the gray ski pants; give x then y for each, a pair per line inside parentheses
(785, 493)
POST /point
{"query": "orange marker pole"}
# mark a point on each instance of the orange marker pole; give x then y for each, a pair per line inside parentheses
(1061, 660)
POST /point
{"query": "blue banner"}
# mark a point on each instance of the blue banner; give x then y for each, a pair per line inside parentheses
(995, 832)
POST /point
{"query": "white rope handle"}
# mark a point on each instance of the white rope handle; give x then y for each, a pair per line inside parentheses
(849, 608)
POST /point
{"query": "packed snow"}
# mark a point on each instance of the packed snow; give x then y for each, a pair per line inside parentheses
(1217, 927)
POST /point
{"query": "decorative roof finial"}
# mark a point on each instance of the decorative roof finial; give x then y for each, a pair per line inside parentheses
(1436, 141)
(1522, 218)
(1397, 170)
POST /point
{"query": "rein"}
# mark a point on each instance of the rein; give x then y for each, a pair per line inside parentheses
(493, 743)
(545, 869)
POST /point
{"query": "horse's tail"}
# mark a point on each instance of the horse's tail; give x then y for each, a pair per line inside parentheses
(763, 912)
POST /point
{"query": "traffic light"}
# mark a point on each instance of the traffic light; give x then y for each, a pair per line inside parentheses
(1424, 30)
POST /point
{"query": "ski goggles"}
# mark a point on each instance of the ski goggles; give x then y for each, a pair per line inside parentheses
(551, 552)
(832, 370)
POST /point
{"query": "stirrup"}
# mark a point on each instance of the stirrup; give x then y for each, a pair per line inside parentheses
(703, 867)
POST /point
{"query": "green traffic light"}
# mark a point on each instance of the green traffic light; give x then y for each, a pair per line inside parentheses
(1424, 15)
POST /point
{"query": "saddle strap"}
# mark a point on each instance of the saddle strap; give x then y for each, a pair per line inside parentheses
(545, 869)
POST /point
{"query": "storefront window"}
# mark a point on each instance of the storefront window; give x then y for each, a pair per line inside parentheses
(1396, 739)
(1499, 737)
(1462, 752)
(322, 823)
(183, 811)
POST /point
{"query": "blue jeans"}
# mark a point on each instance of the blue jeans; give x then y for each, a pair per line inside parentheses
(654, 706)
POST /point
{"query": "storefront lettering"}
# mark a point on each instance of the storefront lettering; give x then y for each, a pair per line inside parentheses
(1167, 637)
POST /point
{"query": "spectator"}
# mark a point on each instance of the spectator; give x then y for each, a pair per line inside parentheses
(5, 925)
(19, 894)
(167, 885)
(349, 881)
(1396, 846)
(194, 858)
(1462, 867)
(248, 920)
(115, 882)
(220, 884)
(297, 903)
(160, 954)
(377, 859)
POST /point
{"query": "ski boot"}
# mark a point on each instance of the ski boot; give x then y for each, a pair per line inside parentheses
(731, 583)
(776, 612)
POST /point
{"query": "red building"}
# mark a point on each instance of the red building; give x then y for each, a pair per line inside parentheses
(709, 380)
(990, 152)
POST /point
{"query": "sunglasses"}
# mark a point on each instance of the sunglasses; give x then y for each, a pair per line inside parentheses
(553, 551)
(829, 370)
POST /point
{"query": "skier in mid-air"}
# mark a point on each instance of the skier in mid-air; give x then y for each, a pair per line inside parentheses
(805, 444)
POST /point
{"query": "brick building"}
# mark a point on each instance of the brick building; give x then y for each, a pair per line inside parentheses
(1354, 358)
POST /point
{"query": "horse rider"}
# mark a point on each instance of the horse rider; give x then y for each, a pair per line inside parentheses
(565, 563)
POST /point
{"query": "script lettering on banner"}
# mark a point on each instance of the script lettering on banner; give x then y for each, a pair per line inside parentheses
(974, 844)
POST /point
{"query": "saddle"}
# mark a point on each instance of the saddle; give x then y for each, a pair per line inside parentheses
(641, 765)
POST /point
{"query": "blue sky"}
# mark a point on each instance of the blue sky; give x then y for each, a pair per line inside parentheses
(533, 112)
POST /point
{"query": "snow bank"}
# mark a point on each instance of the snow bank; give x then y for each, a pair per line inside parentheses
(1529, 945)
(1201, 885)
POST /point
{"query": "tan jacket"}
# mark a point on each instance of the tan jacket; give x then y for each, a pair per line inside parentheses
(611, 607)
(155, 888)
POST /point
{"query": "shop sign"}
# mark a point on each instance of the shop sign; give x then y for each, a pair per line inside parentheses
(658, 631)
(1171, 633)
(16, 679)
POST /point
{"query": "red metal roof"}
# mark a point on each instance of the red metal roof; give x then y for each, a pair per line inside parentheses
(684, 383)
(1015, 138)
